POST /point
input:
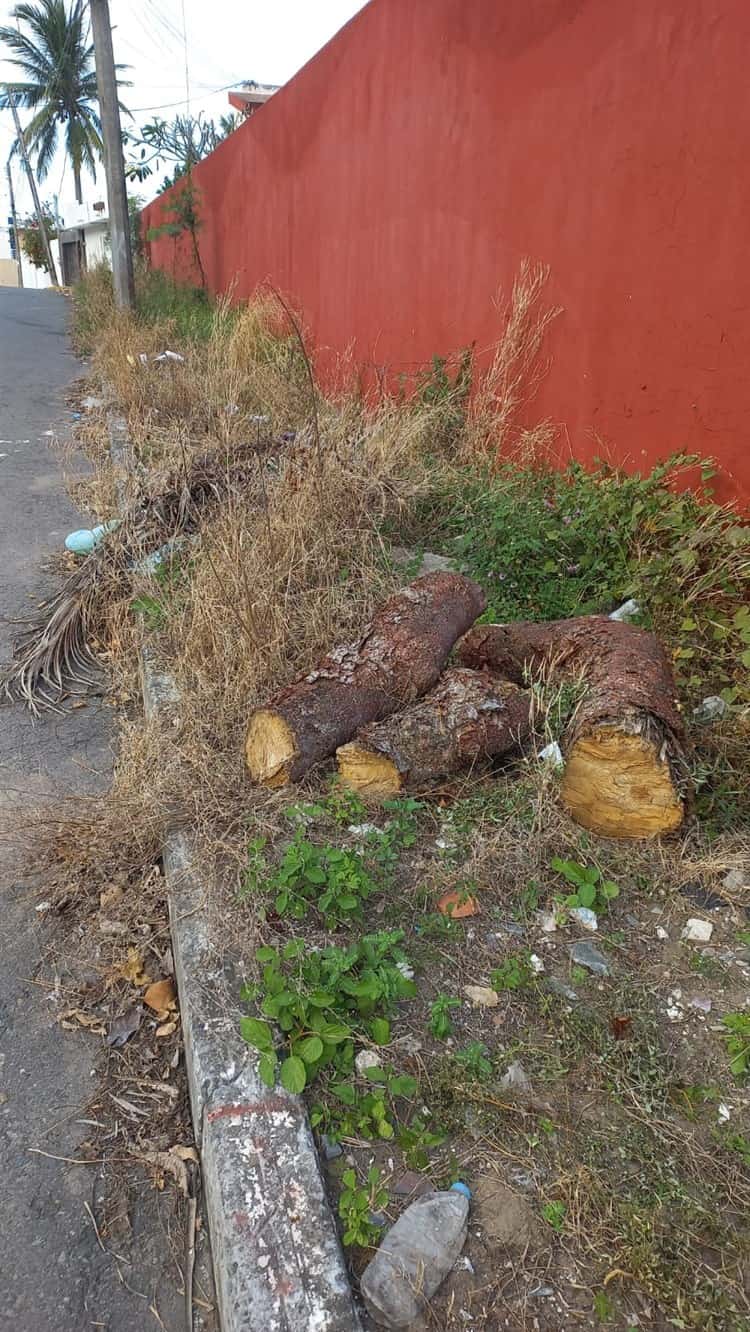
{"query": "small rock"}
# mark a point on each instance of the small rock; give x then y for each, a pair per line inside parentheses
(430, 563)
(516, 1078)
(735, 880)
(661, 933)
(586, 955)
(585, 917)
(364, 829)
(482, 997)
(547, 921)
(331, 1149)
(711, 709)
(410, 1182)
(703, 897)
(378, 1219)
(564, 991)
(510, 927)
(702, 1004)
(697, 931)
(367, 1059)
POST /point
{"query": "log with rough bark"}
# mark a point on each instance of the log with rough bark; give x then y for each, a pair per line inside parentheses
(625, 772)
(399, 657)
(469, 716)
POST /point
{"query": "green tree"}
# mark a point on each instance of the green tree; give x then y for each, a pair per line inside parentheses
(52, 50)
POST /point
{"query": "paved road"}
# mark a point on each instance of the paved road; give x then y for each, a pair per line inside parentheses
(53, 1275)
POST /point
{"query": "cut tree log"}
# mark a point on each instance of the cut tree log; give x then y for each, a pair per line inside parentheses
(468, 716)
(625, 773)
(399, 657)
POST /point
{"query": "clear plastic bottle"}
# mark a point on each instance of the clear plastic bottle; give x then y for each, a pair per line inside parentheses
(415, 1257)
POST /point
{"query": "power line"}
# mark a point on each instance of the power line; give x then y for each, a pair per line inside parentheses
(166, 106)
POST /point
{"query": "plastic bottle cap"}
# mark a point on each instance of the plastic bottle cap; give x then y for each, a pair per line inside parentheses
(460, 1187)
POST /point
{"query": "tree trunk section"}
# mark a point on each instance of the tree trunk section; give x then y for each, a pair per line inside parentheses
(468, 717)
(399, 657)
(625, 773)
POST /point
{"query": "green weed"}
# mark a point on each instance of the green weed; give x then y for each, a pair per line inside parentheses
(737, 1042)
(357, 1204)
(321, 1000)
(592, 890)
(440, 1022)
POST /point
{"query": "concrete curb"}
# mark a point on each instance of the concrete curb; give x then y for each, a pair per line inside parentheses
(278, 1264)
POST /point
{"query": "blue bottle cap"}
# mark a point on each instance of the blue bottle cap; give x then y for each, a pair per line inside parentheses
(460, 1187)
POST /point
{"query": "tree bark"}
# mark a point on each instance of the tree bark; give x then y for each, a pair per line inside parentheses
(625, 773)
(399, 657)
(468, 717)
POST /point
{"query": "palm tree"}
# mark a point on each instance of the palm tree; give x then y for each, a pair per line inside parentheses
(51, 47)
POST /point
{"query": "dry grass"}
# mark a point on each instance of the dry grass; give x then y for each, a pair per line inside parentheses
(505, 391)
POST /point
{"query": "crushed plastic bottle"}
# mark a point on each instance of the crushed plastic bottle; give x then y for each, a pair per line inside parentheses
(415, 1257)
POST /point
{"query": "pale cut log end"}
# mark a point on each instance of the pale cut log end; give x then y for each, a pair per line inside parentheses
(617, 785)
(269, 748)
(369, 773)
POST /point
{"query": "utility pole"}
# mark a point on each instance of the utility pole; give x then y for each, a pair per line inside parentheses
(109, 107)
(34, 195)
(16, 234)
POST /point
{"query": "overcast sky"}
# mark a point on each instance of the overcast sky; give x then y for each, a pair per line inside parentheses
(227, 41)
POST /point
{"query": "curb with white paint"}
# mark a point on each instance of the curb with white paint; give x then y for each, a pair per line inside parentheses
(278, 1264)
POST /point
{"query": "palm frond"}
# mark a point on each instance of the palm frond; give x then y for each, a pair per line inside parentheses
(53, 657)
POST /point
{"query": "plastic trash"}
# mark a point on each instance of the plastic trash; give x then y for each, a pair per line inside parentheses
(553, 755)
(82, 541)
(627, 611)
(168, 356)
(414, 1258)
(714, 708)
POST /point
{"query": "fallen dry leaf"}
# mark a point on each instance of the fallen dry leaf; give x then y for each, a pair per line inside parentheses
(161, 996)
(74, 1018)
(482, 997)
(458, 905)
(132, 968)
(167, 1028)
(173, 1163)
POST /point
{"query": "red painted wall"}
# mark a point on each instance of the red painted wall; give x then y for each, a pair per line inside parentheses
(401, 177)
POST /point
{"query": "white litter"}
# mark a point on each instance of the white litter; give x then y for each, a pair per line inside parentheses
(168, 356)
(724, 1113)
(626, 611)
(661, 933)
(536, 964)
(697, 931)
(547, 921)
(553, 755)
(585, 917)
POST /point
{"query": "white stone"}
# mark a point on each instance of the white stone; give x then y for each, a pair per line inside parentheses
(661, 933)
(367, 1059)
(585, 917)
(697, 930)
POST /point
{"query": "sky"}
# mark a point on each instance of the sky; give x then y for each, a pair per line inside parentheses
(228, 41)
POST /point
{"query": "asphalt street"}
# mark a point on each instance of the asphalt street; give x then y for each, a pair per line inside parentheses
(53, 1272)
